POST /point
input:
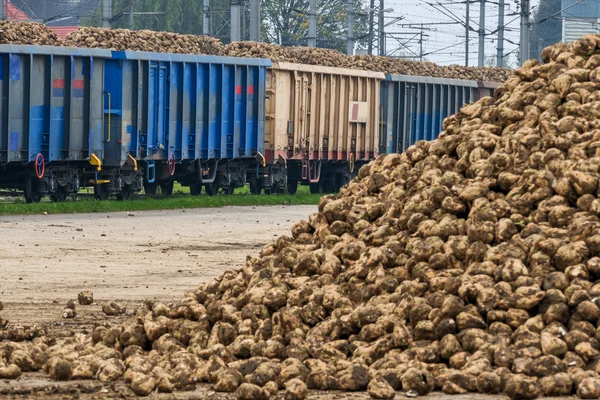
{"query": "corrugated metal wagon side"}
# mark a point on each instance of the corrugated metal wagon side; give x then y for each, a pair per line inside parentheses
(414, 107)
(198, 120)
(50, 118)
(321, 123)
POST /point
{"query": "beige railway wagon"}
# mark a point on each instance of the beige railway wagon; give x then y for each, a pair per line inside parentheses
(321, 124)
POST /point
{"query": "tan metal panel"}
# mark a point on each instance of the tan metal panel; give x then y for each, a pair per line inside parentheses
(343, 130)
(332, 100)
(315, 115)
(321, 124)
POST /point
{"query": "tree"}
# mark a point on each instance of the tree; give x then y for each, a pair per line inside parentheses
(179, 16)
(286, 22)
(510, 61)
(545, 32)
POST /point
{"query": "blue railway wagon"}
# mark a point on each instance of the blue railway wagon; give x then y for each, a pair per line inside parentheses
(50, 117)
(198, 120)
(414, 107)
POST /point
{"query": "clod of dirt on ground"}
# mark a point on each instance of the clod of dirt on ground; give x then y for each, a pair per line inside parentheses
(85, 298)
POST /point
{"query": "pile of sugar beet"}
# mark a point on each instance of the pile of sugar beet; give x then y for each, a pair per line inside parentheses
(467, 264)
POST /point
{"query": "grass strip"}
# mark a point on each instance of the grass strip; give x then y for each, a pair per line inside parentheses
(177, 201)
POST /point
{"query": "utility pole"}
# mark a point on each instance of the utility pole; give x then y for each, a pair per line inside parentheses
(500, 48)
(350, 27)
(312, 24)
(467, 28)
(2, 9)
(206, 31)
(255, 20)
(131, 7)
(382, 51)
(421, 44)
(524, 42)
(481, 52)
(106, 13)
(235, 20)
(371, 28)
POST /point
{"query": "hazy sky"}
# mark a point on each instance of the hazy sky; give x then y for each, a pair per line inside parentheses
(446, 41)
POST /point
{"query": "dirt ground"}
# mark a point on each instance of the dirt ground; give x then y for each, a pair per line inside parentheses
(47, 259)
(128, 256)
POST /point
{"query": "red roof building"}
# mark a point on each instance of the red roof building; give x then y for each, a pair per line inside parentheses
(15, 14)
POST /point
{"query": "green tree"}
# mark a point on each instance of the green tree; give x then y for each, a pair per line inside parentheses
(286, 22)
(179, 16)
(545, 31)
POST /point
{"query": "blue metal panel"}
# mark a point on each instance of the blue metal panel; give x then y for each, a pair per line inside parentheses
(260, 95)
(162, 99)
(251, 112)
(414, 107)
(237, 112)
(202, 106)
(199, 107)
(214, 111)
(228, 93)
(49, 104)
(38, 128)
(57, 130)
(188, 138)
(152, 84)
(580, 9)
(174, 111)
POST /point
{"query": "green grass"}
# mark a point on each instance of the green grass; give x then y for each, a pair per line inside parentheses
(180, 199)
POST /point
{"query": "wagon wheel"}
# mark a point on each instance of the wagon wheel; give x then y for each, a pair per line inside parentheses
(32, 193)
(292, 187)
(101, 192)
(212, 189)
(167, 187)
(195, 189)
(60, 196)
(150, 188)
(315, 188)
(125, 194)
(254, 187)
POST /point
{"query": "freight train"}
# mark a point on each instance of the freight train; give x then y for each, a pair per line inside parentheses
(122, 122)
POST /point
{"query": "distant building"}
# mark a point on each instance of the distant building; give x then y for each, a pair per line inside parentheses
(61, 16)
(580, 17)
